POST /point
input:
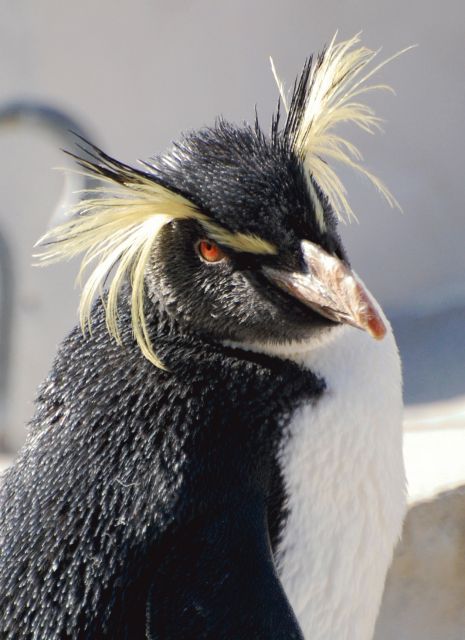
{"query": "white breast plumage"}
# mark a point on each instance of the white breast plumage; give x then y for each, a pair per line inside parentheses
(345, 484)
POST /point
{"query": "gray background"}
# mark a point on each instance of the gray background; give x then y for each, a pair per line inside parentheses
(136, 73)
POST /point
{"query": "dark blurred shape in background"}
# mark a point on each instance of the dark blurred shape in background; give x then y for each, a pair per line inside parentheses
(133, 75)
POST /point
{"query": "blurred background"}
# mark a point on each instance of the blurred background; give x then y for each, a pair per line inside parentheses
(134, 74)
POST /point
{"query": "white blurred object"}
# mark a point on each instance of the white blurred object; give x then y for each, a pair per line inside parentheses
(424, 597)
(434, 447)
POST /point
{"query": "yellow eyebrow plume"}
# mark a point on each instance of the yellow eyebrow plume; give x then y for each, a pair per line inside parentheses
(115, 228)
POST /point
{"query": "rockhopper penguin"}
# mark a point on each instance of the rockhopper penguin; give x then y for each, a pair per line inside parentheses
(218, 454)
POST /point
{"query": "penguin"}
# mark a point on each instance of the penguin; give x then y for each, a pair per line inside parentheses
(216, 452)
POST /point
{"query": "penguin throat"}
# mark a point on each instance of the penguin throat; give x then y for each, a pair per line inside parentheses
(345, 487)
(296, 350)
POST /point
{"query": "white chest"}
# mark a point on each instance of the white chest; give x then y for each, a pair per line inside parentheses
(345, 482)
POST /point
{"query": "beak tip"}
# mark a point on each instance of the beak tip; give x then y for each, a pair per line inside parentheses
(376, 328)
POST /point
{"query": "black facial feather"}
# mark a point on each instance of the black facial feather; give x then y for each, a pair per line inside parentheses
(298, 103)
(244, 181)
(231, 300)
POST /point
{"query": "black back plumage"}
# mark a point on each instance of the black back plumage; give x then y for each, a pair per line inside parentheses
(129, 494)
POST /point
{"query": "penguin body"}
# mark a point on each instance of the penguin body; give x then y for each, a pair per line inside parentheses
(218, 455)
(352, 446)
(137, 508)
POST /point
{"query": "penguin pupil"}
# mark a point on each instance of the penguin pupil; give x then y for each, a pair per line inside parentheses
(210, 252)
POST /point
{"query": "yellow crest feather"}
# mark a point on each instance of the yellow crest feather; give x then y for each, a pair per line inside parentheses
(326, 96)
(117, 231)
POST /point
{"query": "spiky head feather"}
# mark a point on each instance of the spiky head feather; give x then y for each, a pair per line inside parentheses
(326, 95)
(116, 228)
(117, 224)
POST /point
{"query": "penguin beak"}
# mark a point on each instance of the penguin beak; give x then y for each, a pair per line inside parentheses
(331, 289)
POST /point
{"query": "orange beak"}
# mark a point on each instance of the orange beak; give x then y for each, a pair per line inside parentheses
(331, 289)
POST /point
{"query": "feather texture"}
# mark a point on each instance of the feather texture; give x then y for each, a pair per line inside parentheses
(115, 227)
(326, 95)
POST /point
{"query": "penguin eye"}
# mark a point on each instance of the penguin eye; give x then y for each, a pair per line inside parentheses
(210, 252)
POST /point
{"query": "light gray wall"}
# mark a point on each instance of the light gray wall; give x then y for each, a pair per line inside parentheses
(138, 72)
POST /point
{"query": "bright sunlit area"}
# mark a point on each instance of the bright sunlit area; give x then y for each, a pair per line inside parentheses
(130, 77)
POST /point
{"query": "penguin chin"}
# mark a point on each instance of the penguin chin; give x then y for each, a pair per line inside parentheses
(293, 349)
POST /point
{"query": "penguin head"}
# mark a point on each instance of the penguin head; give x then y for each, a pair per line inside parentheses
(255, 188)
(233, 232)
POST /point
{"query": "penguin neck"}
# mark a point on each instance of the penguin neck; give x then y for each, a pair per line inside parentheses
(344, 482)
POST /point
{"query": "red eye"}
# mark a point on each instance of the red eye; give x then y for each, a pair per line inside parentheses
(210, 251)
